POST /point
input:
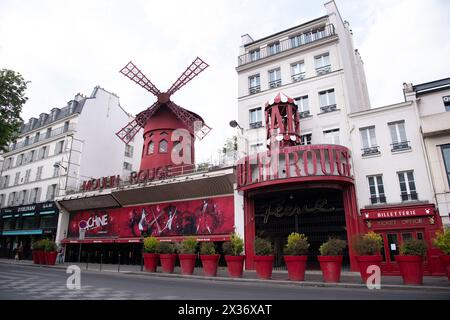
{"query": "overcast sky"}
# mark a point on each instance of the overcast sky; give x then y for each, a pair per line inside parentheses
(66, 47)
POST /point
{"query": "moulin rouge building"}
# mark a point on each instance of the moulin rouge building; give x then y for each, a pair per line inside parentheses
(315, 159)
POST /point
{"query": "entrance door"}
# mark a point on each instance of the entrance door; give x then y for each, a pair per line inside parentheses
(392, 240)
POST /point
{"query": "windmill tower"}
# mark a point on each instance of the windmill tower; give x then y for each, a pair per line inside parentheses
(162, 121)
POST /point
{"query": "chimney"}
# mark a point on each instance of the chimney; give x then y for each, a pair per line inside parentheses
(246, 39)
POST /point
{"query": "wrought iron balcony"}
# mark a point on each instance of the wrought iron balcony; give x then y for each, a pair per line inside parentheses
(254, 89)
(275, 83)
(369, 151)
(323, 70)
(329, 108)
(255, 125)
(298, 76)
(409, 196)
(398, 146)
(376, 200)
(288, 44)
(304, 114)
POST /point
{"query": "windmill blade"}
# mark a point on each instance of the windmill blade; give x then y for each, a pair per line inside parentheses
(194, 123)
(133, 72)
(127, 133)
(191, 72)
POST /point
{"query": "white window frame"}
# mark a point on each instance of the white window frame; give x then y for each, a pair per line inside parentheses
(376, 185)
(304, 140)
(405, 177)
(332, 135)
(258, 112)
(300, 101)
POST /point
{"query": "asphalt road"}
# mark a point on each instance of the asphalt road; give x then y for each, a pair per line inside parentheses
(25, 282)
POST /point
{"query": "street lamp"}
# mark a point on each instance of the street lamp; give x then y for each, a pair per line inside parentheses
(59, 165)
(235, 124)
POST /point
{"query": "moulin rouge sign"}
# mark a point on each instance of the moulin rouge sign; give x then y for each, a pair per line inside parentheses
(293, 162)
(135, 177)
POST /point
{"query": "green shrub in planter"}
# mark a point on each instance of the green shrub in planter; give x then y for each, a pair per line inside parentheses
(333, 247)
(188, 246)
(297, 245)
(235, 247)
(263, 247)
(165, 247)
(368, 244)
(151, 245)
(207, 248)
(413, 247)
(37, 245)
(442, 241)
(47, 245)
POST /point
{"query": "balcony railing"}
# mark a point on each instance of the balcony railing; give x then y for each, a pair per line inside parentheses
(370, 151)
(398, 146)
(323, 70)
(298, 76)
(50, 134)
(304, 114)
(376, 200)
(255, 125)
(329, 108)
(409, 196)
(288, 44)
(275, 83)
(254, 89)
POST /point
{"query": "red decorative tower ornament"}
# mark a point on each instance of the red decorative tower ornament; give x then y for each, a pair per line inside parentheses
(282, 122)
(169, 130)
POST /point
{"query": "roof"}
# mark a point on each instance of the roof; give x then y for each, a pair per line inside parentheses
(286, 30)
(432, 86)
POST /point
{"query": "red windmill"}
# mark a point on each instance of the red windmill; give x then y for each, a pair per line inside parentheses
(166, 117)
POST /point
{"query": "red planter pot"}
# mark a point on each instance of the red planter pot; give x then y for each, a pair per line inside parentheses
(365, 261)
(263, 266)
(41, 257)
(151, 261)
(209, 263)
(50, 257)
(168, 262)
(187, 263)
(446, 261)
(235, 265)
(331, 267)
(296, 266)
(35, 257)
(411, 268)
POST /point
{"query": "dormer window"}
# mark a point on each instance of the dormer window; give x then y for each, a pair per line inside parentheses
(163, 146)
(273, 48)
(254, 55)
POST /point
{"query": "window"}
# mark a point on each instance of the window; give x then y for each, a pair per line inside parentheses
(22, 197)
(327, 100)
(8, 163)
(331, 136)
(37, 136)
(48, 221)
(163, 146)
(254, 55)
(59, 147)
(27, 176)
(296, 41)
(56, 171)
(51, 192)
(19, 160)
(255, 116)
(128, 151)
(48, 133)
(298, 71)
(446, 100)
(369, 142)
(39, 173)
(66, 126)
(11, 198)
(32, 155)
(35, 195)
(273, 48)
(322, 63)
(274, 78)
(303, 106)
(4, 181)
(151, 147)
(43, 152)
(29, 222)
(27, 140)
(376, 189)
(254, 84)
(446, 157)
(398, 136)
(127, 166)
(16, 178)
(407, 185)
(306, 139)
(2, 200)
(9, 224)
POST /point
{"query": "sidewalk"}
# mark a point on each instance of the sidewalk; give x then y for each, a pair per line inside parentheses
(312, 278)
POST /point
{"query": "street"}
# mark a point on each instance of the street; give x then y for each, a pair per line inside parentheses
(25, 282)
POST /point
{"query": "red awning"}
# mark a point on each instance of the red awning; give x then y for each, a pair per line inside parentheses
(128, 240)
(200, 238)
(91, 240)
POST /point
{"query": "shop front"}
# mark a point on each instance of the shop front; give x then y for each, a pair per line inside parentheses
(22, 225)
(399, 223)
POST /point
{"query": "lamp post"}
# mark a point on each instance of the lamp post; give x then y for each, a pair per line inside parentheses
(235, 124)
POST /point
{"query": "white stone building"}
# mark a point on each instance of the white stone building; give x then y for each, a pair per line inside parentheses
(55, 153)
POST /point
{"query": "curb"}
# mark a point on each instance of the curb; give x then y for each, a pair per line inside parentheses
(247, 280)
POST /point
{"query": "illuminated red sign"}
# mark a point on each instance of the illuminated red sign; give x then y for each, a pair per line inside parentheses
(389, 213)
